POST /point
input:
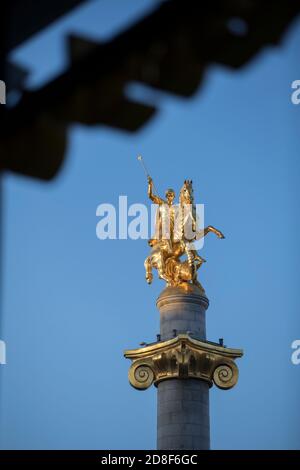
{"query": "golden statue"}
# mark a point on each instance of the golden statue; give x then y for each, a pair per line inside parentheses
(176, 229)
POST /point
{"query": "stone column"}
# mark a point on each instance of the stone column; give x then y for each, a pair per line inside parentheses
(183, 365)
(182, 403)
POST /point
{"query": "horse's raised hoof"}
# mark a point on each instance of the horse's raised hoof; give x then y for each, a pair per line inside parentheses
(149, 278)
(200, 260)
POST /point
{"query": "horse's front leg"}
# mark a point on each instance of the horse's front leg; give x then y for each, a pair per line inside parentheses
(161, 267)
(214, 230)
(148, 268)
(198, 259)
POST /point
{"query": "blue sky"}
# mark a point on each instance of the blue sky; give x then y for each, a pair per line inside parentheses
(72, 303)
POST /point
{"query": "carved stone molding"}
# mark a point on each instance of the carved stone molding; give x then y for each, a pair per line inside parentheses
(183, 357)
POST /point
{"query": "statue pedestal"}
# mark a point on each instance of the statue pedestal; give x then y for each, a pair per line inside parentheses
(182, 310)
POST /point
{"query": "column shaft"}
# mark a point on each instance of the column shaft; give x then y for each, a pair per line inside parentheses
(182, 404)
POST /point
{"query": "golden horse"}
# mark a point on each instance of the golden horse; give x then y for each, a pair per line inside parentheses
(177, 240)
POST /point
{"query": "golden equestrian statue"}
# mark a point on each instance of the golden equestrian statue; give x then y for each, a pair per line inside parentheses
(176, 228)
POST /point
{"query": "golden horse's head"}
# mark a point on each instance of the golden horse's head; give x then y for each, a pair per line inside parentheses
(186, 193)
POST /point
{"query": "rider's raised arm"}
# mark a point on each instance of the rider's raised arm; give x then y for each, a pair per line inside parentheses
(153, 197)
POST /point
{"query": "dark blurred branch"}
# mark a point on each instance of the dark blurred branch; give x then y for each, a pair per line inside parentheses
(24, 18)
(169, 50)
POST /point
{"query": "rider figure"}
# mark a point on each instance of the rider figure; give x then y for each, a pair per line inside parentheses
(165, 216)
